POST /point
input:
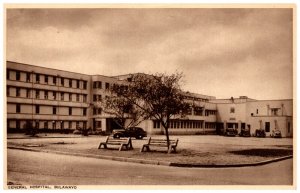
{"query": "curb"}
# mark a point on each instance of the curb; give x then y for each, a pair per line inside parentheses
(153, 162)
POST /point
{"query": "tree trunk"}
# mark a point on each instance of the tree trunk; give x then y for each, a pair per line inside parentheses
(167, 135)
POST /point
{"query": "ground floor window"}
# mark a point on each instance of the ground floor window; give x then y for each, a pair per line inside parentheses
(267, 126)
(156, 124)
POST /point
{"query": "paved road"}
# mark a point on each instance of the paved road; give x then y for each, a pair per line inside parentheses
(36, 168)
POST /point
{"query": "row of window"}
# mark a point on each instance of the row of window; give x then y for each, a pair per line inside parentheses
(199, 112)
(44, 94)
(54, 109)
(45, 124)
(185, 124)
(28, 77)
(97, 111)
(98, 85)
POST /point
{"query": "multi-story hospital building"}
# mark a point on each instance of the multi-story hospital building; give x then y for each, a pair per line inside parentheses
(55, 99)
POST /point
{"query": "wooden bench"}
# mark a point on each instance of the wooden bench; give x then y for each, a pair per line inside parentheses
(160, 143)
(122, 142)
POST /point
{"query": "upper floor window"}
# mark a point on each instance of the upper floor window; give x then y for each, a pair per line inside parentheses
(8, 91)
(70, 110)
(18, 108)
(84, 84)
(37, 109)
(106, 85)
(62, 96)
(18, 75)
(70, 97)
(84, 111)
(18, 92)
(37, 78)
(77, 83)
(70, 83)
(77, 97)
(62, 81)
(37, 94)
(54, 80)
(274, 111)
(46, 78)
(54, 110)
(28, 77)
(54, 95)
(28, 93)
(7, 74)
(232, 110)
(84, 98)
(46, 94)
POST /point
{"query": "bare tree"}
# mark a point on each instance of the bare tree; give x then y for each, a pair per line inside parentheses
(156, 96)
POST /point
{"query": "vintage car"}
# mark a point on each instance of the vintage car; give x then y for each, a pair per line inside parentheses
(136, 132)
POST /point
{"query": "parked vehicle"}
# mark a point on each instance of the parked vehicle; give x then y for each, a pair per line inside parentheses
(231, 132)
(260, 133)
(245, 133)
(136, 132)
(276, 134)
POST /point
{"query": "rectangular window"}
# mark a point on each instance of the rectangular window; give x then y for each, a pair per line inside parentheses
(62, 96)
(46, 94)
(77, 97)
(37, 78)
(256, 111)
(274, 112)
(94, 97)
(98, 124)
(106, 85)
(46, 79)
(46, 125)
(28, 77)
(99, 111)
(18, 108)
(18, 92)
(54, 95)
(70, 96)
(99, 98)
(70, 110)
(94, 111)
(7, 74)
(18, 75)
(77, 83)
(84, 98)
(70, 83)
(70, 124)
(7, 91)
(37, 109)
(289, 127)
(267, 126)
(84, 112)
(62, 81)
(54, 80)
(54, 110)
(232, 110)
(18, 124)
(94, 84)
(99, 85)
(27, 93)
(37, 94)
(84, 85)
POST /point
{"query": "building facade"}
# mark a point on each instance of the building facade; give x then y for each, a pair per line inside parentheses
(54, 100)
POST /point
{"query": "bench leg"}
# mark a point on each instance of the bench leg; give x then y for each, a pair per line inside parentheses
(170, 149)
(145, 146)
(104, 145)
(121, 147)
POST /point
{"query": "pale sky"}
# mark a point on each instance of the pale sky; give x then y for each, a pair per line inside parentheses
(222, 52)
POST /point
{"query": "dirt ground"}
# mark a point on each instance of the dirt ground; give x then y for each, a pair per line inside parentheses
(195, 149)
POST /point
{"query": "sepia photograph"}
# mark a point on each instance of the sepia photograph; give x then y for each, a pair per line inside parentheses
(143, 96)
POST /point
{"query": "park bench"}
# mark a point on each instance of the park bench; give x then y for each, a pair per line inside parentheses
(160, 143)
(121, 142)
